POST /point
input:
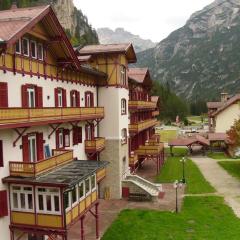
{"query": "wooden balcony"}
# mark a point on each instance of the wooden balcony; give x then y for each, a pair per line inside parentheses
(24, 117)
(139, 105)
(101, 174)
(94, 146)
(23, 169)
(138, 127)
(150, 149)
(155, 113)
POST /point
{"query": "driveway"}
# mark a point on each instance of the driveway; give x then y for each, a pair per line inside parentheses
(225, 185)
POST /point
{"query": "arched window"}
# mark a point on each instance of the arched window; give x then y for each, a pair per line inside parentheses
(123, 106)
(124, 136)
(123, 77)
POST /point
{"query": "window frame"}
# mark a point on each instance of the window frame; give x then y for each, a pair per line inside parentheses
(95, 182)
(52, 194)
(123, 106)
(19, 42)
(19, 192)
(36, 53)
(90, 191)
(124, 138)
(42, 52)
(84, 191)
(28, 49)
(123, 75)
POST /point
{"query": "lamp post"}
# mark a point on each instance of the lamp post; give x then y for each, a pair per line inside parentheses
(177, 184)
(183, 160)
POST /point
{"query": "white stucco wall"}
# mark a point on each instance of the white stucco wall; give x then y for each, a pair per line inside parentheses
(226, 118)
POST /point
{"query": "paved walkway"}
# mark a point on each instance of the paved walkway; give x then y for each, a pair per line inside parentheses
(225, 185)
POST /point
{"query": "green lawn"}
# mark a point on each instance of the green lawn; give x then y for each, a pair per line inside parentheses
(177, 151)
(172, 170)
(167, 135)
(221, 156)
(232, 167)
(202, 218)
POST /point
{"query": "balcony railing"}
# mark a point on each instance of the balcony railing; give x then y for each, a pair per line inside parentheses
(101, 174)
(138, 127)
(95, 145)
(12, 117)
(24, 169)
(133, 158)
(150, 149)
(135, 105)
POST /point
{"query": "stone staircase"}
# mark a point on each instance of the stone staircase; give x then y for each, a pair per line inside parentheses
(139, 185)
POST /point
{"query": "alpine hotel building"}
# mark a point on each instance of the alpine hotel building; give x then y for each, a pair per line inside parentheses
(73, 125)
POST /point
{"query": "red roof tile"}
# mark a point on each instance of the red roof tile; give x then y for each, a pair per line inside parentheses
(217, 137)
(138, 74)
(189, 141)
(214, 104)
(14, 20)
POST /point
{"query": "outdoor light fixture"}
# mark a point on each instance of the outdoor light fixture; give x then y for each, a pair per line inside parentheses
(183, 160)
(177, 184)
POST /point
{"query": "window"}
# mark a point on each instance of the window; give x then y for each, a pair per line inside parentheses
(22, 198)
(48, 200)
(88, 186)
(62, 138)
(18, 47)
(124, 136)
(123, 78)
(32, 147)
(123, 106)
(33, 49)
(75, 195)
(67, 200)
(81, 191)
(3, 203)
(25, 47)
(93, 182)
(89, 132)
(31, 97)
(40, 51)
(89, 99)
(60, 97)
(75, 98)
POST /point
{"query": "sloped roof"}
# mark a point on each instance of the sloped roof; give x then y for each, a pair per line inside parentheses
(126, 48)
(217, 137)
(138, 74)
(228, 103)
(214, 104)
(15, 21)
(197, 139)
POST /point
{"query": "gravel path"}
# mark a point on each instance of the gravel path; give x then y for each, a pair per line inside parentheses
(225, 185)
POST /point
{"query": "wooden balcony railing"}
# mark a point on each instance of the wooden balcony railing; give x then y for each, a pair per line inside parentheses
(24, 169)
(138, 127)
(12, 117)
(133, 158)
(95, 145)
(150, 149)
(155, 113)
(101, 174)
(132, 105)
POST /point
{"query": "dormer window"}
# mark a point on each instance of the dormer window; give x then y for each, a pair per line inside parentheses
(40, 51)
(25, 47)
(33, 49)
(18, 47)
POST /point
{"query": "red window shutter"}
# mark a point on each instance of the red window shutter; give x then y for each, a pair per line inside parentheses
(86, 94)
(66, 133)
(1, 154)
(3, 203)
(79, 134)
(25, 149)
(39, 96)
(71, 98)
(3, 95)
(24, 96)
(75, 135)
(56, 97)
(57, 139)
(40, 143)
(64, 98)
(92, 99)
(78, 98)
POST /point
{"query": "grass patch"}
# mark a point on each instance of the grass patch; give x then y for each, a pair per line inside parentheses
(177, 151)
(201, 218)
(232, 167)
(167, 135)
(196, 183)
(217, 155)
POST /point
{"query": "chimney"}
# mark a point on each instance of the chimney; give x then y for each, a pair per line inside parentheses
(14, 5)
(224, 97)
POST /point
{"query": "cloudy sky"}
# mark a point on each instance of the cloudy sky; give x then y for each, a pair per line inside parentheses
(151, 19)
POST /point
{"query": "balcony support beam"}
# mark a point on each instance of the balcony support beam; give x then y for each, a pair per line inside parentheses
(20, 134)
(82, 228)
(54, 129)
(97, 219)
